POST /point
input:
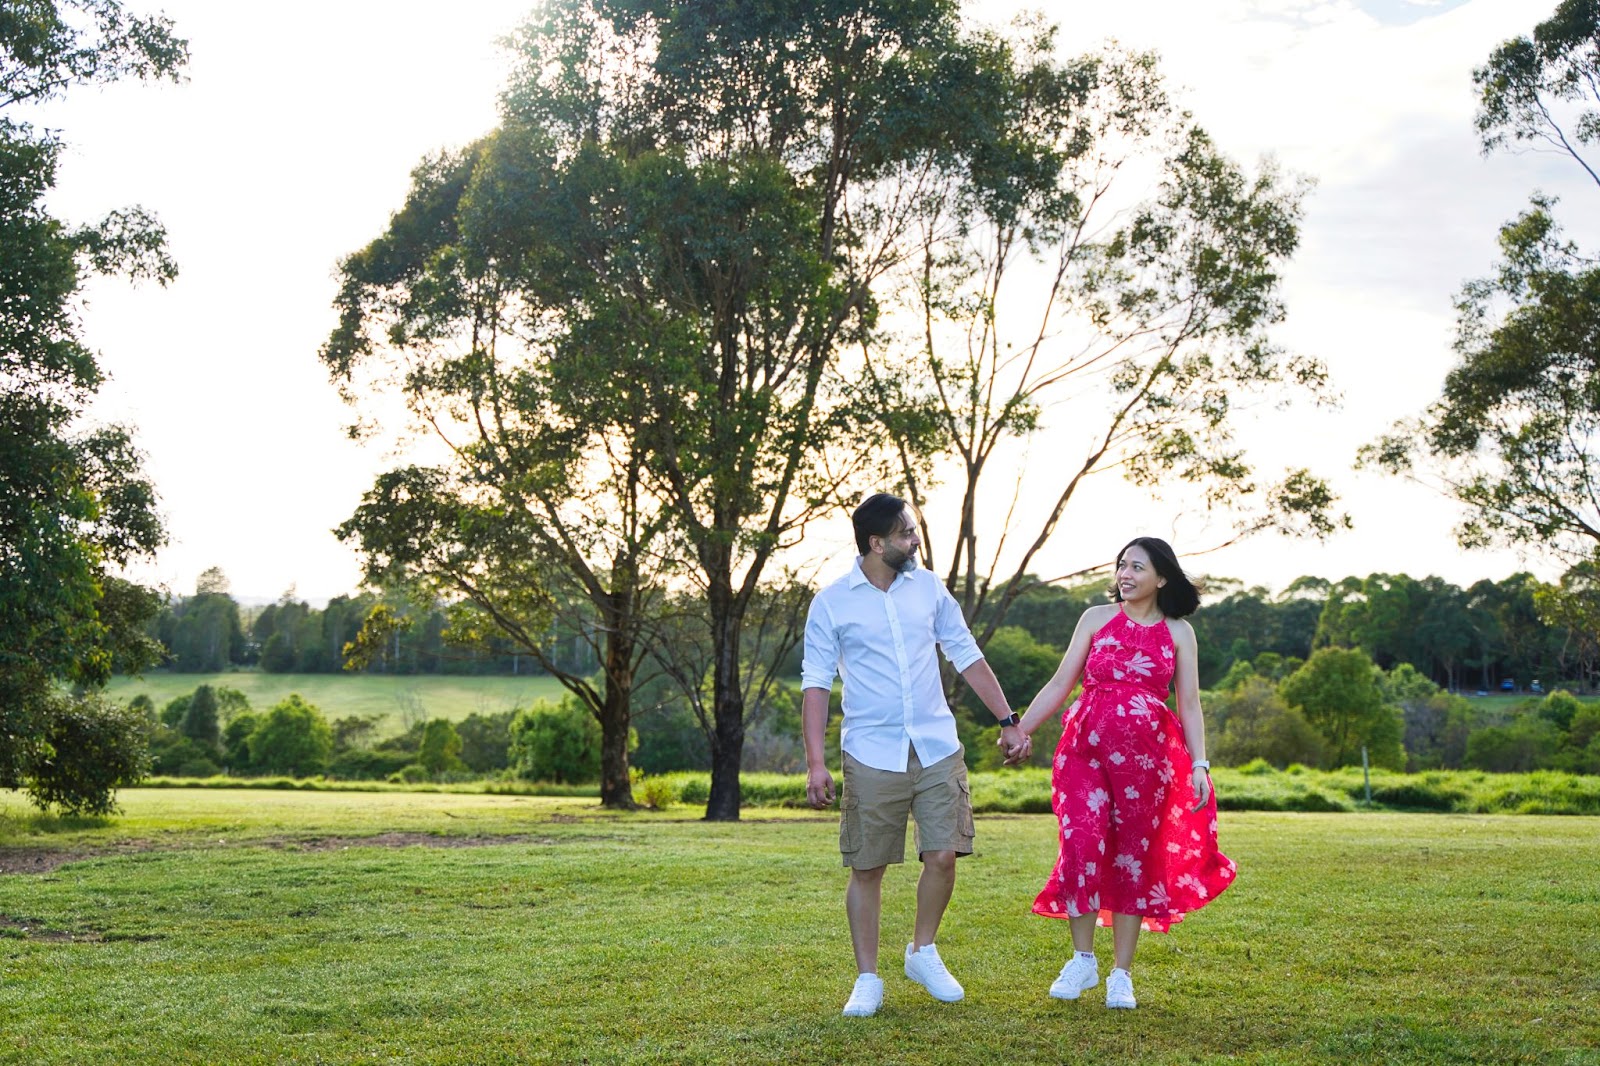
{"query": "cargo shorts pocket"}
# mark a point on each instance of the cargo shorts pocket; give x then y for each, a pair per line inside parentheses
(850, 833)
(964, 824)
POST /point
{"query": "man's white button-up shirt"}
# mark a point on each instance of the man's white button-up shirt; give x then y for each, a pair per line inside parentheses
(882, 644)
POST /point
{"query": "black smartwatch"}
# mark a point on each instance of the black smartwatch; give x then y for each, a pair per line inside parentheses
(1011, 719)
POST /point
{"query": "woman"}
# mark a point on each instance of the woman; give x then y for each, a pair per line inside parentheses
(1131, 786)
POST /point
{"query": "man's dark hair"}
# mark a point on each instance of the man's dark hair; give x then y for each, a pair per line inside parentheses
(878, 516)
(1179, 597)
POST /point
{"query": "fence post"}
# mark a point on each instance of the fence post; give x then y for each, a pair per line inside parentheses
(1366, 777)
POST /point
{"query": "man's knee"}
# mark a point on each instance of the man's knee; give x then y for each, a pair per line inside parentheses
(941, 862)
(868, 878)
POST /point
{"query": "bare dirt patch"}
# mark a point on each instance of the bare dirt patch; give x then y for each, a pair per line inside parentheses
(28, 929)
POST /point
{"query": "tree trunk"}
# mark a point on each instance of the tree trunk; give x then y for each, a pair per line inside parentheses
(727, 736)
(616, 788)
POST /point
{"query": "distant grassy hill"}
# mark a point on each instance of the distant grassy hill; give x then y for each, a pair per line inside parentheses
(343, 695)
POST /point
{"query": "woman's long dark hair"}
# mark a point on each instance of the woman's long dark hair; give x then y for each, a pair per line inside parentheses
(1179, 597)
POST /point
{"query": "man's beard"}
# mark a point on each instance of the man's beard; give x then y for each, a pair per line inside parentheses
(906, 564)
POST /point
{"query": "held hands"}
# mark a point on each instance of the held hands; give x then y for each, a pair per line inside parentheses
(1017, 745)
(1202, 787)
(819, 787)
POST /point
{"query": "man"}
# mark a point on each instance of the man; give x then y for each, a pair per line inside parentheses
(877, 628)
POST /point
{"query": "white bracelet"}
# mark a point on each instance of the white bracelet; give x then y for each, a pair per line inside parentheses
(1203, 764)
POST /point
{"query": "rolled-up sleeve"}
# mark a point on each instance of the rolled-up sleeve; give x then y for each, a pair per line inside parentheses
(821, 662)
(951, 631)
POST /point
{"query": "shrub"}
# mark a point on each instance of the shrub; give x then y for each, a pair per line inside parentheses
(1339, 692)
(90, 748)
(291, 738)
(357, 764)
(1257, 724)
(440, 752)
(657, 793)
(410, 774)
(236, 742)
(201, 767)
(1526, 744)
(486, 740)
(697, 789)
(560, 744)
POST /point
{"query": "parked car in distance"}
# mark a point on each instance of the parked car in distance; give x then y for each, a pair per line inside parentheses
(1508, 685)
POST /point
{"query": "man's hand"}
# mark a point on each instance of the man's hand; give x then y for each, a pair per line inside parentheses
(819, 788)
(1202, 787)
(1016, 744)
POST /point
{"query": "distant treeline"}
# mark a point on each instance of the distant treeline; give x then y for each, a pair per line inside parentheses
(1487, 636)
(210, 632)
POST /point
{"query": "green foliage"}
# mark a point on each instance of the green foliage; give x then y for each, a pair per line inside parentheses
(203, 632)
(1253, 722)
(1524, 745)
(1255, 786)
(657, 793)
(1022, 663)
(236, 742)
(1338, 691)
(1515, 435)
(201, 722)
(560, 743)
(486, 740)
(440, 751)
(1560, 708)
(74, 503)
(91, 747)
(292, 737)
(359, 764)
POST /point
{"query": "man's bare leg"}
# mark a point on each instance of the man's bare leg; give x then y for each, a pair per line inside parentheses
(863, 904)
(934, 888)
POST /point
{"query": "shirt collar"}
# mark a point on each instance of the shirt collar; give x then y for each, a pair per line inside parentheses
(858, 577)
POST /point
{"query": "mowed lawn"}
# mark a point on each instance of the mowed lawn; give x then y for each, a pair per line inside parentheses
(345, 695)
(223, 926)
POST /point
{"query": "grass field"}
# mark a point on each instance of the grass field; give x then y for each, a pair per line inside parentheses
(343, 695)
(223, 926)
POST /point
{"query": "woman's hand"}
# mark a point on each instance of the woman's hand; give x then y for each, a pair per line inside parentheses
(1016, 744)
(1202, 787)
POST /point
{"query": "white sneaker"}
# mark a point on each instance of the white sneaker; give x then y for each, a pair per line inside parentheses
(926, 968)
(1078, 976)
(866, 997)
(1119, 990)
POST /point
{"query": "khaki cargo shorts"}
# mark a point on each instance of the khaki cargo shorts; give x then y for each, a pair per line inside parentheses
(874, 805)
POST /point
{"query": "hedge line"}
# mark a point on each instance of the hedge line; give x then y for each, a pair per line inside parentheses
(1253, 787)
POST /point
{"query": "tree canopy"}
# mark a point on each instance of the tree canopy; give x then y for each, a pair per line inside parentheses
(74, 503)
(1515, 434)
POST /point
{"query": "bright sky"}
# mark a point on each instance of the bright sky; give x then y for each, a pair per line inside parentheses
(292, 141)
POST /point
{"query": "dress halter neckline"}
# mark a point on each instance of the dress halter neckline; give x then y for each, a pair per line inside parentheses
(1122, 609)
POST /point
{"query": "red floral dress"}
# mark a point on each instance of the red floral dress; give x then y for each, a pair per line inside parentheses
(1123, 792)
